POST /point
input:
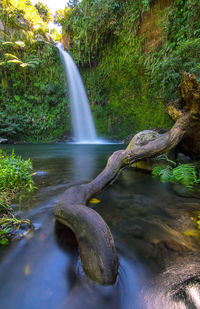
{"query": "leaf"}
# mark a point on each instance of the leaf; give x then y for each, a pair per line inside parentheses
(4, 241)
(14, 61)
(94, 201)
(185, 174)
(11, 56)
(20, 43)
(7, 43)
(27, 270)
(192, 233)
(30, 65)
(166, 174)
(24, 65)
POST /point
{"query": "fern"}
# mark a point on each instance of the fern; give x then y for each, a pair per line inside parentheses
(165, 173)
(185, 174)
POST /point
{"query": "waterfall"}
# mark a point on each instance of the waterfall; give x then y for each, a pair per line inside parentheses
(82, 122)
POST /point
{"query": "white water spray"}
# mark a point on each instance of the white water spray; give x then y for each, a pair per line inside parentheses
(82, 122)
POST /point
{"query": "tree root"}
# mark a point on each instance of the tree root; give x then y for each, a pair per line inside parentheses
(96, 245)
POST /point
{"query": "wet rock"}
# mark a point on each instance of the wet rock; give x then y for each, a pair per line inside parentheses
(3, 140)
(182, 191)
(142, 138)
(182, 158)
(14, 228)
(166, 250)
(137, 231)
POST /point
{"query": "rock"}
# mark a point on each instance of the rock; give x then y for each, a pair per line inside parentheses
(182, 158)
(183, 191)
(142, 138)
(3, 140)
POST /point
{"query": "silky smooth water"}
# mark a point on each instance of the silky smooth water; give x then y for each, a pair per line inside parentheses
(159, 265)
(82, 122)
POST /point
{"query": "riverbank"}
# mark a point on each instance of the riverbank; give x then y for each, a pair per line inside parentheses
(15, 180)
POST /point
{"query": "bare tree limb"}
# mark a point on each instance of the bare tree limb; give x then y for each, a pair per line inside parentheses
(96, 244)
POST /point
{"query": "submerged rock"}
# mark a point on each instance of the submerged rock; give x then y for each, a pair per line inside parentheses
(12, 228)
(183, 191)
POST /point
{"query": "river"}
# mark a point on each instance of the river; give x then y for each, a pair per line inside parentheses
(150, 223)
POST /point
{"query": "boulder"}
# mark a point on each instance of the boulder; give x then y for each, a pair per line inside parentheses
(140, 139)
(3, 140)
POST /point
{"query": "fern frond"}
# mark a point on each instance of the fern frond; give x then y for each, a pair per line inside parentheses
(157, 170)
(166, 175)
(164, 172)
(185, 174)
(165, 157)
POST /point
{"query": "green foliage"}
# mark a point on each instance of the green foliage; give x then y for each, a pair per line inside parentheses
(127, 88)
(167, 74)
(90, 25)
(22, 14)
(184, 174)
(72, 3)
(10, 226)
(15, 173)
(43, 11)
(15, 178)
(197, 221)
(164, 172)
(33, 107)
(180, 51)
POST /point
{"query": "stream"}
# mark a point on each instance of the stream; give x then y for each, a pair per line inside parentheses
(153, 229)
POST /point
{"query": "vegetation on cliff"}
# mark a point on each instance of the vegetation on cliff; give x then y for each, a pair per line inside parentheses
(33, 103)
(132, 55)
(130, 71)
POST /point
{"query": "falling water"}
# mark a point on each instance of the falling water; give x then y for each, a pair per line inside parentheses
(82, 122)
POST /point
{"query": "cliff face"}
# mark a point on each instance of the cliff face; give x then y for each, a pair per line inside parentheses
(150, 26)
(123, 100)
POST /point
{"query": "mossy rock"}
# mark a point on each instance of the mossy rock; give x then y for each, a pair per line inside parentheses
(140, 139)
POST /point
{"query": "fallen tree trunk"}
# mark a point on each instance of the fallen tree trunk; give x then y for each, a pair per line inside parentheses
(96, 245)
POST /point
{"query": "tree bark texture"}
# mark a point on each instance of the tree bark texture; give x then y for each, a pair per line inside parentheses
(96, 245)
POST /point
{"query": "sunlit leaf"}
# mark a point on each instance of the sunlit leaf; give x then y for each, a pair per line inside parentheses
(192, 233)
(14, 61)
(20, 43)
(7, 43)
(24, 65)
(94, 200)
(27, 270)
(11, 56)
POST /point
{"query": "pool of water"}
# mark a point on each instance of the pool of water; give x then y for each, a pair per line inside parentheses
(151, 225)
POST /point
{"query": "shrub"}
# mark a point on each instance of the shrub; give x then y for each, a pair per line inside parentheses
(15, 177)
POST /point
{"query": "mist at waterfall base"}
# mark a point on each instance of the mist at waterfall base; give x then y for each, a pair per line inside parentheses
(82, 122)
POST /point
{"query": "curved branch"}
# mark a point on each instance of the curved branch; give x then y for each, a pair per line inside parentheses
(97, 250)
